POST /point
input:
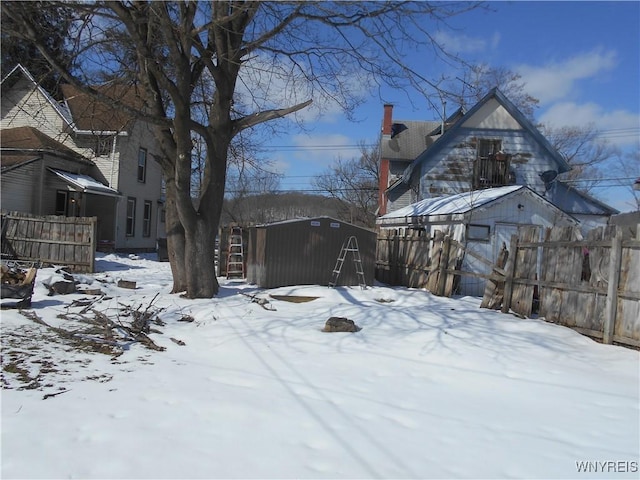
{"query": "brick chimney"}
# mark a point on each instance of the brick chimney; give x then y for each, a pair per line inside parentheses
(387, 119)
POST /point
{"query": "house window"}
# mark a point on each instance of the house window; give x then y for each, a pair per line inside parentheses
(68, 203)
(146, 219)
(478, 232)
(142, 165)
(62, 197)
(103, 146)
(492, 166)
(131, 217)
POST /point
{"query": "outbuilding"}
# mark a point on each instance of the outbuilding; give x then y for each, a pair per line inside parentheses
(481, 221)
(305, 252)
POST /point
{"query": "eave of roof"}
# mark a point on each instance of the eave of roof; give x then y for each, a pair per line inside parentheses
(85, 183)
(597, 204)
(456, 207)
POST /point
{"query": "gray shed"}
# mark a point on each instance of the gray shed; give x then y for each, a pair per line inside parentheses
(304, 252)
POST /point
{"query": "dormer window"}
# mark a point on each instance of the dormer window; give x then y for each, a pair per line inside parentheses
(491, 167)
(103, 146)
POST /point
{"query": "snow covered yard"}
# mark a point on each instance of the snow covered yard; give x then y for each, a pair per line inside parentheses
(429, 388)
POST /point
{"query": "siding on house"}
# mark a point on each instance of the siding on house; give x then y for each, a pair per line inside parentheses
(24, 105)
(451, 169)
(18, 189)
(400, 196)
(149, 190)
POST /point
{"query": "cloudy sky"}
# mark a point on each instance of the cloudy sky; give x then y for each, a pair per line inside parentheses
(580, 59)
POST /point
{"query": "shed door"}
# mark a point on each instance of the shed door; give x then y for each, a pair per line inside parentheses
(503, 234)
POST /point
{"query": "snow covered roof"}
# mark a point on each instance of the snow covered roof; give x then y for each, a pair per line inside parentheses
(452, 204)
(85, 183)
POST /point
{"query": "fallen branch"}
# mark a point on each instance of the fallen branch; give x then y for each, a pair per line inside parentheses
(263, 302)
(49, 395)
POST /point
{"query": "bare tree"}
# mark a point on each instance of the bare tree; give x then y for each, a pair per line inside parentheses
(209, 69)
(628, 164)
(354, 183)
(583, 150)
(477, 80)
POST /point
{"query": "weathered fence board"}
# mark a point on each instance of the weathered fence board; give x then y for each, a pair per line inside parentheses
(560, 264)
(526, 261)
(573, 276)
(403, 260)
(58, 240)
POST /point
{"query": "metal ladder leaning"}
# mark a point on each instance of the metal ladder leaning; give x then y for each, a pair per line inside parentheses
(350, 244)
(235, 255)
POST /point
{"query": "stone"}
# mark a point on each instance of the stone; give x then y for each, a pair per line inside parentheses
(62, 287)
(340, 324)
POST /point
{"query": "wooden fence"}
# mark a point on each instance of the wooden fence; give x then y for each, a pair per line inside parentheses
(57, 240)
(592, 285)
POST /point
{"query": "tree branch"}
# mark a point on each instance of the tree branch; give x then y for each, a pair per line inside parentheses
(261, 117)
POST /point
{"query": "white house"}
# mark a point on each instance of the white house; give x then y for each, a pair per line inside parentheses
(491, 145)
(80, 157)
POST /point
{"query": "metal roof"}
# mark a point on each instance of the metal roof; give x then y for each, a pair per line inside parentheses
(85, 183)
(452, 204)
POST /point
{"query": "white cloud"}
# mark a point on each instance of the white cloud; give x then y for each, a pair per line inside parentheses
(460, 43)
(619, 127)
(556, 80)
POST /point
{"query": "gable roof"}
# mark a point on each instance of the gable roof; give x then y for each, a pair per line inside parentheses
(22, 144)
(20, 70)
(90, 114)
(83, 113)
(496, 94)
(458, 204)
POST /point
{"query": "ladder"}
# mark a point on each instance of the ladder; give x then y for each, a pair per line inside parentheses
(350, 244)
(235, 255)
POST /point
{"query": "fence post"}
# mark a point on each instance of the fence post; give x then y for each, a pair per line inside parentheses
(612, 289)
(442, 268)
(510, 272)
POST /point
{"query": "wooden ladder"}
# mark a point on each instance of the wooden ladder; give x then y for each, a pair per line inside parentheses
(235, 255)
(350, 244)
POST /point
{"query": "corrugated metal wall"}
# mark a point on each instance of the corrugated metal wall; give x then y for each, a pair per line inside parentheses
(304, 252)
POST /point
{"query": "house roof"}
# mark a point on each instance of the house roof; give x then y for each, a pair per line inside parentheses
(312, 219)
(30, 138)
(453, 204)
(413, 138)
(573, 201)
(496, 94)
(85, 183)
(90, 114)
(458, 204)
(19, 144)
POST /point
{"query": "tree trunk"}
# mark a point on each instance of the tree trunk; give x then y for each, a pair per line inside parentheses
(175, 239)
(199, 256)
